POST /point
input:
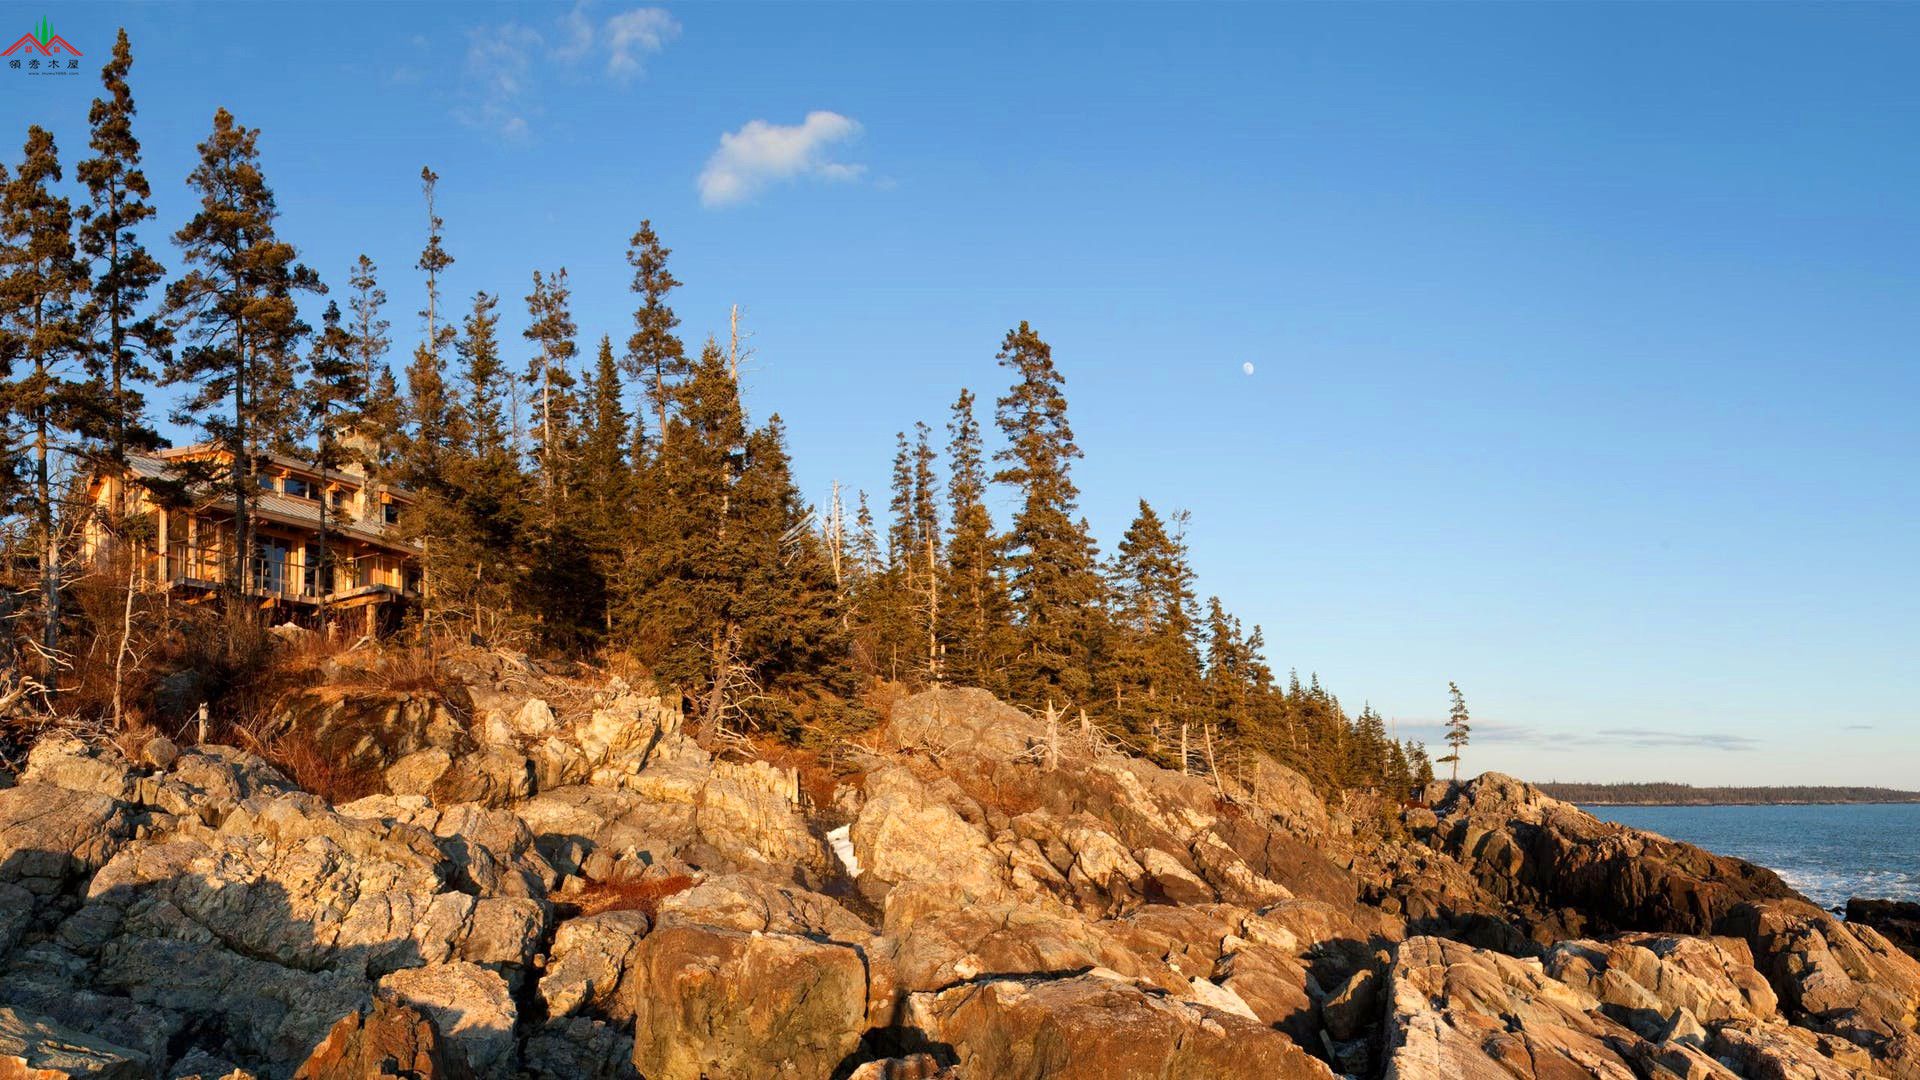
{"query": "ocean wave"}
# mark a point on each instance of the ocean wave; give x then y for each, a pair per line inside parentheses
(1832, 888)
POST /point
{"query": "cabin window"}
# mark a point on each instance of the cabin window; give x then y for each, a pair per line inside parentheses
(390, 513)
(317, 583)
(266, 481)
(301, 488)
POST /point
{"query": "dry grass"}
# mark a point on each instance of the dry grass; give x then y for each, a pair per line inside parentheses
(642, 894)
(413, 670)
(334, 778)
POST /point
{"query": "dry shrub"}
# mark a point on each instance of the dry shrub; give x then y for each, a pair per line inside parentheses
(642, 894)
(333, 777)
(412, 669)
(880, 696)
(820, 772)
(1012, 795)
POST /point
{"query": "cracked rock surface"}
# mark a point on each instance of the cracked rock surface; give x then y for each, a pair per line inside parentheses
(557, 879)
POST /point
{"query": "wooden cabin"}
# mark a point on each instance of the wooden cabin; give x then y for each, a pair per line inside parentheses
(185, 496)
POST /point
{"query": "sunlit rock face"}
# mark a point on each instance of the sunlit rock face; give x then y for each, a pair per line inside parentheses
(555, 877)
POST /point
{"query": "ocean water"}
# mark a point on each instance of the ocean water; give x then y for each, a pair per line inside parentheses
(1829, 853)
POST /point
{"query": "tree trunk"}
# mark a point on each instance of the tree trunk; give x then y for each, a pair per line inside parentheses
(49, 543)
(126, 641)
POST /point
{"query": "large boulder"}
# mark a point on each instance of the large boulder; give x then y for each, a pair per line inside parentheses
(52, 838)
(907, 832)
(1576, 875)
(1839, 979)
(367, 727)
(1470, 1014)
(266, 931)
(388, 1041)
(34, 1048)
(751, 814)
(1093, 1027)
(711, 1002)
(586, 962)
(470, 1006)
(1897, 920)
(1645, 979)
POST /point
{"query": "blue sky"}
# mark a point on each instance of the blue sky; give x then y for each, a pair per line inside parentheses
(1583, 337)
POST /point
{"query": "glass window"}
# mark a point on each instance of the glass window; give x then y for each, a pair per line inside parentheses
(390, 513)
(300, 487)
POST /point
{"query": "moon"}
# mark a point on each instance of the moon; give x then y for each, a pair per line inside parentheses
(1247, 367)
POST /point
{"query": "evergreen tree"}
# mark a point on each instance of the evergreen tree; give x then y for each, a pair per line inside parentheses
(236, 307)
(43, 285)
(606, 480)
(335, 395)
(1155, 666)
(975, 611)
(484, 567)
(562, 565)
(379, 415)
(655, 356)
(1457, 729)
(1422, 768)
(551, 329)
(1230, 685)
(430, 419)
(1055, 589)
(788, 610)
(125, 340)
(431, 426)
(681, 608)
(891, 600)
(1372, 760)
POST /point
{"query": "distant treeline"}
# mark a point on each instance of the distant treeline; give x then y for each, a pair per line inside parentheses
(1688, 795)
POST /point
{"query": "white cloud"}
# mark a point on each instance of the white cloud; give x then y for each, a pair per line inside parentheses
(506, 63)
(633, 34)
(760, 154)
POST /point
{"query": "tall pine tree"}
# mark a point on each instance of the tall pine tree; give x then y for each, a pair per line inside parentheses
(1055, 588)
(975, 612)
(43, 286)
(1154, 666)
(126, 339)
(655, 356)
(335, 396)
(235, 307)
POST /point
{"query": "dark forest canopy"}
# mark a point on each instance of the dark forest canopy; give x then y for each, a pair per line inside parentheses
(1658, 794)
(596, 493)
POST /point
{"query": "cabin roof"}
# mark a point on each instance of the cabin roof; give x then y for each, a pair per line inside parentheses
(274, 506)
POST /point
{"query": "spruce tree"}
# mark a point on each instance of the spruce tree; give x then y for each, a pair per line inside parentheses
(551, 329)
(43, 286)
(975, 612)
(235, 307)
(1457, 729)
(686, 612)
(788, 610)
(379, 418)
(605, 482)
(655, 356)
(431, 426)
(1155, 666)
(1055, 589)
(430, 419)
(126, 339)
(335, 396)
(486, 557)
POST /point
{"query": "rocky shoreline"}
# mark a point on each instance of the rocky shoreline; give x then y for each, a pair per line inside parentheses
(557, 880)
